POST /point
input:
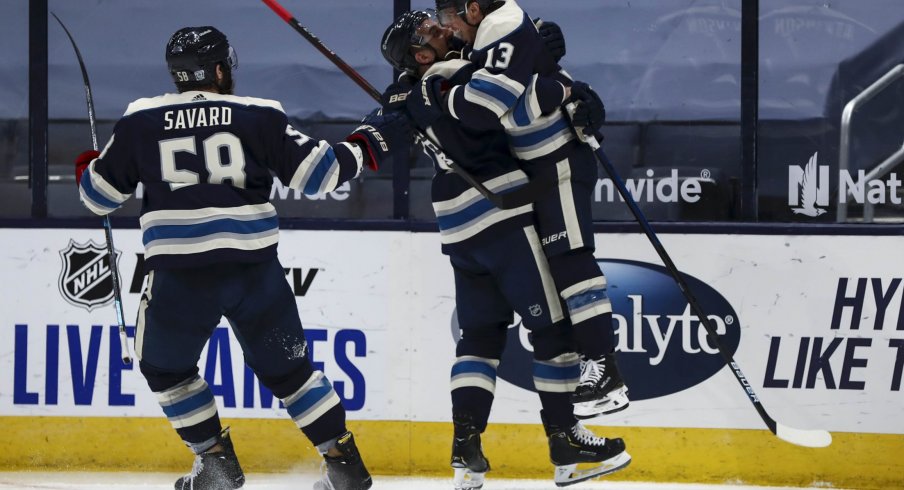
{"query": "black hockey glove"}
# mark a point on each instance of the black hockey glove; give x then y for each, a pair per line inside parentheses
(381, 135)
(552, 37)
(395, 96)
(425, 103)
(590, 113)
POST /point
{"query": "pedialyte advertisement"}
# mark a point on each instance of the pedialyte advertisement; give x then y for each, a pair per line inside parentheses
(816, 329)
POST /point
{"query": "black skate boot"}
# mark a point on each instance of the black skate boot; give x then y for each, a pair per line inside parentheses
(601, 389)
(214, 470)
(569, 447)
(468, 461)
(345, 472)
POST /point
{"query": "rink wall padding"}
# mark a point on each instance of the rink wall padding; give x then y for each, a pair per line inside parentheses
(855, 461)
(816, 327)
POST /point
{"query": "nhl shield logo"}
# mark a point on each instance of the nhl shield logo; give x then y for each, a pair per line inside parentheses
(86, 280)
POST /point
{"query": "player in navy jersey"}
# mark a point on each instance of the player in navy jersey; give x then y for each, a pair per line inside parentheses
(514, 74)
(498, 267)
(206, 159)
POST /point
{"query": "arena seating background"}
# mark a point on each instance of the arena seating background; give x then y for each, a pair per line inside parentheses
(668, 70)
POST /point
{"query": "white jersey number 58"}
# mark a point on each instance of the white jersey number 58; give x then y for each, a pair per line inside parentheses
(234, 170)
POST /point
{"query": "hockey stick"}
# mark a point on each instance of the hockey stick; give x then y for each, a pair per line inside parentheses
(801, 437)
(514, 199)
(108, 229)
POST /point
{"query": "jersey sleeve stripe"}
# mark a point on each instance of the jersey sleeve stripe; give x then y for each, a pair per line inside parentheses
(306, 176)
(97, 194)
(527, 108)
(543, 138)
(496, 93)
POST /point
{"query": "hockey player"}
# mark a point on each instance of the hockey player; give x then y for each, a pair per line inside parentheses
(499, 267)
(514, 74)
(205, 158)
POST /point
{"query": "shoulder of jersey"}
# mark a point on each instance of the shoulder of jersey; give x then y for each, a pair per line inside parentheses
(447, 69)
(500, 23)
(195, 96)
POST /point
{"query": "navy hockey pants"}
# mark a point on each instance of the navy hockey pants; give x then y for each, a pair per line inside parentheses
(564, 219)
(564, 215)
(179, 311)
(504, 275)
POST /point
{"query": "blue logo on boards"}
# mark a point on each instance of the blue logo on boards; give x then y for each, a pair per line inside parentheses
(662, 346)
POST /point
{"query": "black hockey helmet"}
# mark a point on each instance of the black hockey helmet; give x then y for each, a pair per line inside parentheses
(460, 6)
(193, 53)
(401, 36)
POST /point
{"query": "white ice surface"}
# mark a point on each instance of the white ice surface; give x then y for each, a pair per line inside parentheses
(128, 481)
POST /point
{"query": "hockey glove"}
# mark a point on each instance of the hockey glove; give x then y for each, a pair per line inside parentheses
(381, 135)
(552, 37)
(426, 101)
(81, 163)
(396, 95)
(590, 113)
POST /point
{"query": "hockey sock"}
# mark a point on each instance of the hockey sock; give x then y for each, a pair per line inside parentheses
(473, 387)
(191, 409)
(555, 379)
(557, 408)
(316, 410)
(582, 287)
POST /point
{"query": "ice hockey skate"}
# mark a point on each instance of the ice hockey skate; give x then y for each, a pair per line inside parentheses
(570, 447)
(468, 461)
(601, 389)
(214, 470)
(345, 472)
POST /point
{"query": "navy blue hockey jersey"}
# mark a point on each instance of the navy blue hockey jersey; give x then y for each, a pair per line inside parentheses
(463, 215)
(207, 162)
(518, 84)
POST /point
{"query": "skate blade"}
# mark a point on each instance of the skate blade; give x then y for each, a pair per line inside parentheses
(570, 474)
(615, 401)
(465, 479)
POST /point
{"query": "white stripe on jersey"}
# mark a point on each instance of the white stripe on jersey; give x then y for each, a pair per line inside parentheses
(502, 182)
(201, 215)
(545, 146)
(529, 100)
(104, 188)
(249, 242)
(485, 221)
(307, 167)
(187, 98)
(472, 197)
(492, 83)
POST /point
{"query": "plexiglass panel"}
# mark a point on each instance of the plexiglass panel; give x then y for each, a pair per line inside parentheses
(816, 59)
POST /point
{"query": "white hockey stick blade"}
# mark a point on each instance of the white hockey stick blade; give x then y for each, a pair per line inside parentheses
(802, 437)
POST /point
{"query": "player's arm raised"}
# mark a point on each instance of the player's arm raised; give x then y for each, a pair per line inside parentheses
(316, 166)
